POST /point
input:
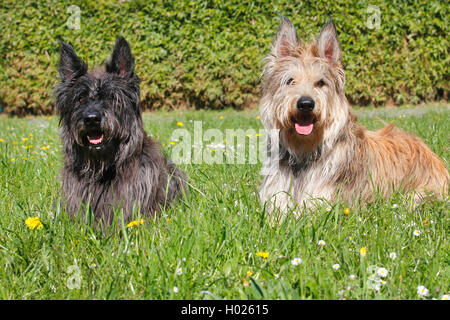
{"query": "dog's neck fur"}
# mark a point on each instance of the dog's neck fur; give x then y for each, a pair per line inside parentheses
(104, 167)
(299, 162)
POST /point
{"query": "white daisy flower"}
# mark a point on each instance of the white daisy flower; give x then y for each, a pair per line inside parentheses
(394, 206)
(321, 243)
(179, 271)
(382, 272)
(417, 233)
(352, 277)
(336, 266)
(276, 275)
(393, 255)
(422, 291)
(296, 261)
(445, 297)
(174, 290)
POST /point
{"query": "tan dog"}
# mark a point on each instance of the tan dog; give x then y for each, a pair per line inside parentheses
(323, 152)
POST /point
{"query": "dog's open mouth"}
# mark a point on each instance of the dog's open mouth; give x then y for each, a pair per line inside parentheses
(95, 138)
(304, 125)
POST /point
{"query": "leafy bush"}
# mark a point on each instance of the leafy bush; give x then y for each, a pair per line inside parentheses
(207, 54)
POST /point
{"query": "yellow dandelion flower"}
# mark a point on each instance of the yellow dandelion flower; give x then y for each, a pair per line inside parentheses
(172, 143)
(45, 148)
(262, 254)
(34, 223)
(221, 117)
(1, 140)
(168, 220)
(179, 123)
(249, 273)
(24, 139)
(347, 211)
(258, 134)
(14, 142)
(135, 223)
(257, 117)
(363, 251)
(31, 135)
(13, 159)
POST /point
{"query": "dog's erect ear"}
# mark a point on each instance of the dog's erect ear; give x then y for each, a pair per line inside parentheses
(328, 44)
(287, 39)
(70, 66)
(122, 61)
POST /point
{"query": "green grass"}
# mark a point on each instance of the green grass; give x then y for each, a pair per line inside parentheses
(215, 234)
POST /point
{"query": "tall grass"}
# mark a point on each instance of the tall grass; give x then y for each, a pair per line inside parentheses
(206, 247)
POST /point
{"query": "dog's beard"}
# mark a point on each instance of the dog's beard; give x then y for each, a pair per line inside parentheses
(301, 132)
(97, 142)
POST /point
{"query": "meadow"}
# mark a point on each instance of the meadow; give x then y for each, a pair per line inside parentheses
(216, 243)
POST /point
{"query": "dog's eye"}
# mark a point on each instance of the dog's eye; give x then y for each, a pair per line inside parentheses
(320, 83)
(290, 81)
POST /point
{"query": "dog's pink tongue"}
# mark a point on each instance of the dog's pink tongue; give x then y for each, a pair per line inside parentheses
(95, 140)
(304, 129)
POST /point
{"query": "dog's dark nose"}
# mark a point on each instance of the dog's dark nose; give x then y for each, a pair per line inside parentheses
(305, 104)
(92, 118)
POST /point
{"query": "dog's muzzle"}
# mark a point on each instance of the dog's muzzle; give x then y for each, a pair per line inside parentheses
(92, 123)
(304, 119)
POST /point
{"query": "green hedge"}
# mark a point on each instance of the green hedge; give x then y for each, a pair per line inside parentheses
(207, 54)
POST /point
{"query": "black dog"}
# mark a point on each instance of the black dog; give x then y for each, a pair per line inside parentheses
(110, 162)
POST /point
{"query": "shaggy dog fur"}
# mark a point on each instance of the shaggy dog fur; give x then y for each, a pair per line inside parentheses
(110, 162)
(324, 153)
